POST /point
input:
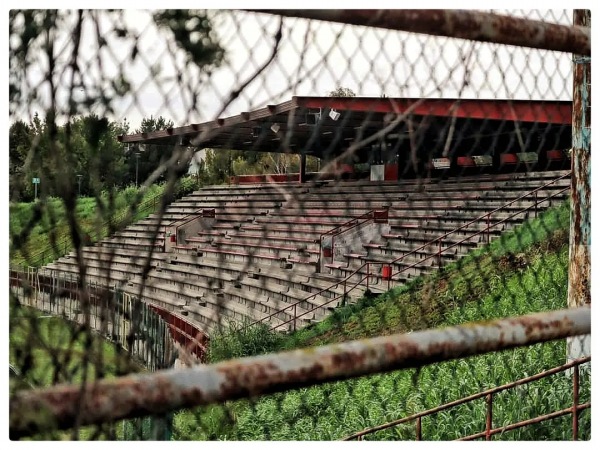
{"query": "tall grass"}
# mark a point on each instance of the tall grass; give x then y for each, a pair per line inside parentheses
(523, 272)
(236, 340)
(49, 237)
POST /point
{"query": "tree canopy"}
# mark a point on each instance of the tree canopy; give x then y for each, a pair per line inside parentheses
(342, 92)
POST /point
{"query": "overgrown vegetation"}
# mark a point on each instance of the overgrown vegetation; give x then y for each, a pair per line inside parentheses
(42, 229)
(525, 271)
(46, 350)
(57, 349)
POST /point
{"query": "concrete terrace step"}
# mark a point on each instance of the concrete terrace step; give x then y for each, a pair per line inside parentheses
(212, 312)
(255, 239)
(230, 210)
(399, 258)
(439, 226)
(308, 229)
(93, 274)
(109, 268)
(336, 213)
(218, 264)
(264, 244)
(414, 236)
(329, 221)
(408, 258)
(230, 273)
(242, 257)
(456, 244)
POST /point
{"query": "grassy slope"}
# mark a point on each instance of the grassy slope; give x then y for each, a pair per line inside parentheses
(525, 271)
(53, 223)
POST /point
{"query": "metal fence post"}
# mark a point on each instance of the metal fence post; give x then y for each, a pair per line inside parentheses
(575, 402)
(488, 417)
(580, 231)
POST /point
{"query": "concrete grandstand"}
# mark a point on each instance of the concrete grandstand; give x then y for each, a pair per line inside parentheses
(289, 249)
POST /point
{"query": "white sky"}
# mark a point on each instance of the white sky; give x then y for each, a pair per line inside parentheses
(371, 62)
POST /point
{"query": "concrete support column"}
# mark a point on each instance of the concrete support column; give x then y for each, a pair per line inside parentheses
(302, 174)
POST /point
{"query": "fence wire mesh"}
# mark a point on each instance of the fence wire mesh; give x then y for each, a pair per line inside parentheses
(189, 187)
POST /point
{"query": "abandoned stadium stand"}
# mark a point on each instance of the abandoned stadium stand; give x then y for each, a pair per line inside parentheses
(263, 249)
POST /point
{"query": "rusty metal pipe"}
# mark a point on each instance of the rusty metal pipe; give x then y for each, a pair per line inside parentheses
(473, 25)
(489, 399)
(61, 406)
(575, 403)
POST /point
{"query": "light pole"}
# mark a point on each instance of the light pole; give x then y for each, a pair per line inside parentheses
(79, 184)
(137, 161)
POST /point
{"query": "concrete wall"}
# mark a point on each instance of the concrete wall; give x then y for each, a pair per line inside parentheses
(187, 228)
(352, 241)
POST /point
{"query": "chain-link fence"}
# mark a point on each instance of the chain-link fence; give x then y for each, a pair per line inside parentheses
(299, 225)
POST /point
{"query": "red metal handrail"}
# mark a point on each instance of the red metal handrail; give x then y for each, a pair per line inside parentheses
(486, 215)
(193, 344)
(488, 395)
(477, 233)
(294, 305)
(187, 219)
(344, 281)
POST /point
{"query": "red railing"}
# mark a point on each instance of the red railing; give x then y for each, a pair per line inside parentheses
(487, 216)
(347, 289)
(374, 214)
(575, 409)
(188, 335)
(294, 306)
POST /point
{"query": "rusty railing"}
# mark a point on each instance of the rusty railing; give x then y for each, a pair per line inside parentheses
(463, 24)
(488, 396)
(59, 407)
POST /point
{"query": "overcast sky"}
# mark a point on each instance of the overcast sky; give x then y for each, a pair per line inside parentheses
(313, 59)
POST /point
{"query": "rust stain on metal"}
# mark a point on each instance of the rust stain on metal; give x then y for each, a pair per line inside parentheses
(474, 25)
(164, 391)
(580, 228)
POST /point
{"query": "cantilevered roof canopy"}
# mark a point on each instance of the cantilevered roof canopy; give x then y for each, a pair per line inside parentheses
(306, 124)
